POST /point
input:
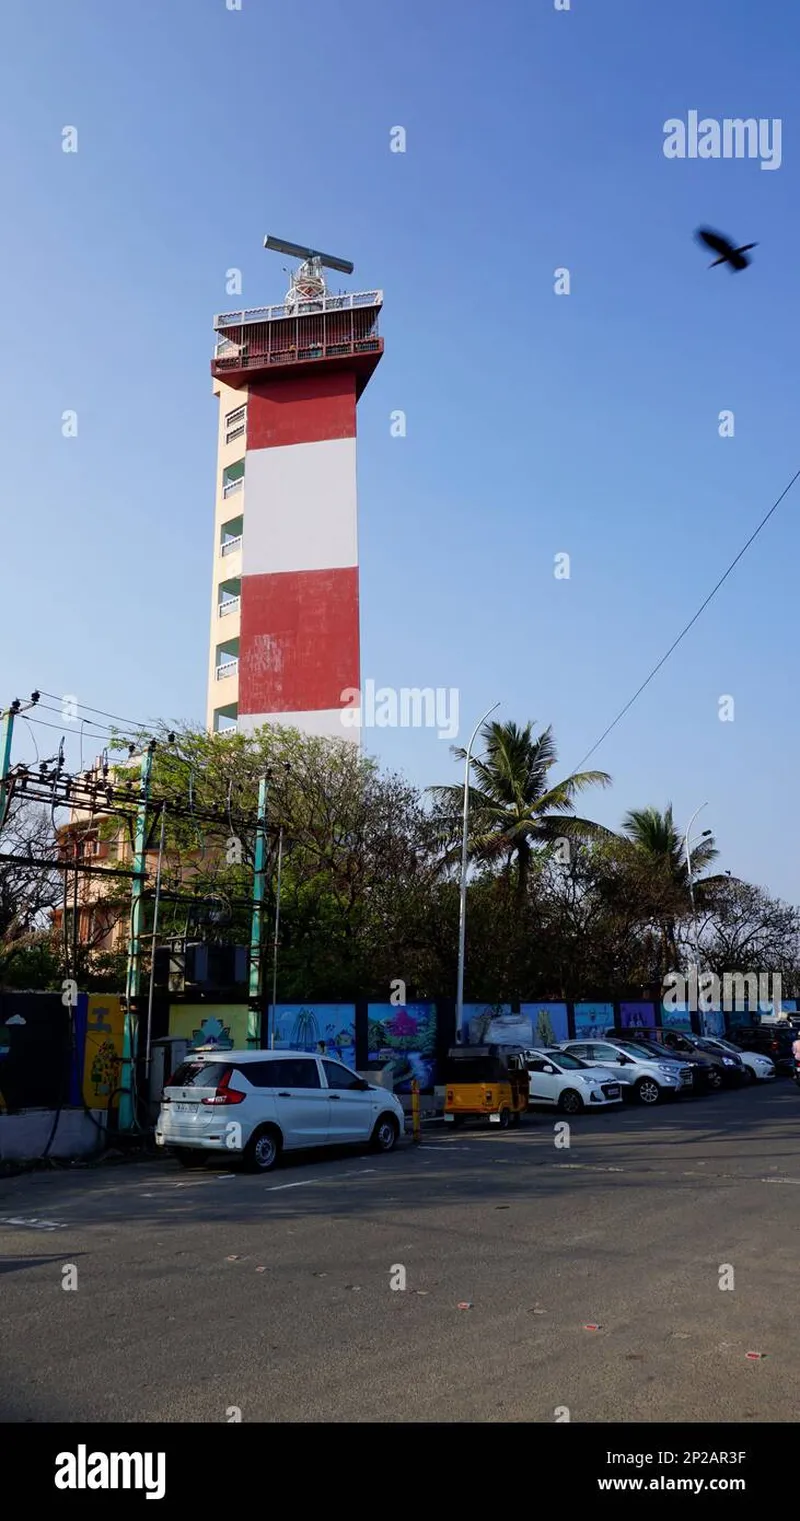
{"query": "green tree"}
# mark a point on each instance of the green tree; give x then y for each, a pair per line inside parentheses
(659, 872)
(515, 809)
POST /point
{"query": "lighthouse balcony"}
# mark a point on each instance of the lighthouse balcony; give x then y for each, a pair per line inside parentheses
(334, 331)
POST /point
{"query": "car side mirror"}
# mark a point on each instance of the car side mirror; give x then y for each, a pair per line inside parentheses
(363, 1085)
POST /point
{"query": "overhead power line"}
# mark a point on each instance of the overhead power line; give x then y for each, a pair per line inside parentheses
(684, 631)
(132, 723)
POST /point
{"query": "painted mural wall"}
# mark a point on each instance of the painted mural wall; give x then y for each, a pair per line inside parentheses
(102, 1049)
(319, 1027)
(203, 1024)
(675, 1018)
(485, 1023)
(549, 1023)
(403, 1038)
(637, 1016)
(593, 1019)
(36, 1044)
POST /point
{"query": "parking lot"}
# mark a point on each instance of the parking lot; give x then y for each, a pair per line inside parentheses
(200, 1295)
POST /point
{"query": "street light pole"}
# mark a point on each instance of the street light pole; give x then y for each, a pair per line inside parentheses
(462, 911)
(688, 855)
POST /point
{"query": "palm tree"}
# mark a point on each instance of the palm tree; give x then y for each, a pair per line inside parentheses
(513, 809)
(660, 849)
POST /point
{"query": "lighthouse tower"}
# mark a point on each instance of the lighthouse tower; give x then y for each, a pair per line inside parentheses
(284, 642)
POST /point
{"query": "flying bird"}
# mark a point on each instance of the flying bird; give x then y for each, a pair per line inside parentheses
(728, 253)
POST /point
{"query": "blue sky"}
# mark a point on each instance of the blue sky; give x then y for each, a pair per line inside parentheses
(536, 424)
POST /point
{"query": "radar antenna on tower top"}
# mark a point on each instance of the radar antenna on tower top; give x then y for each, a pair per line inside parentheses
(307, 281)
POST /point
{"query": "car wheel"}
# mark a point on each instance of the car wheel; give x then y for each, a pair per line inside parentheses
(714, 1078)
(262, 1150)
(189, 1157)
(750, 1076)
(570, 1102)
(384, 1136)
(516, 1119)
(505, 1119)
(648, 1090)
(458, 1120)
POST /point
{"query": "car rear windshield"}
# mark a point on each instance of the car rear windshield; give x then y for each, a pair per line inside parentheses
(199, 1075)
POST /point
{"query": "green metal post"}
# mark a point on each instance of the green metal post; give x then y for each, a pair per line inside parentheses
(256, 932)
(127, 1117)
(6, 736)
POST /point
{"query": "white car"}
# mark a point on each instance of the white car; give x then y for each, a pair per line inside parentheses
(257, 1104)
(759, 1068)
(564, 1082)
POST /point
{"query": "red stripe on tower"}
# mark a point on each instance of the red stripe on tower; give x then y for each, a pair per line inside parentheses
(299, 641)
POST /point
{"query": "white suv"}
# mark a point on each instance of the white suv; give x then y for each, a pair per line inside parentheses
(259, 1103)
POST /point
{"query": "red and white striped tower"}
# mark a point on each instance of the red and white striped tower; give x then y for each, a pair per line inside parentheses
(285, 605)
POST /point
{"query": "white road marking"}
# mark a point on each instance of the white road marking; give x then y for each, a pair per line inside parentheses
(36, 1225)
(277, 1187)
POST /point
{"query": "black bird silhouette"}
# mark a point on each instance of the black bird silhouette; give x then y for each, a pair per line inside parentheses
(728, 253)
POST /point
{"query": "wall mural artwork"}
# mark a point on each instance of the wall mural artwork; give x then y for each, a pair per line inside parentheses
(548, 1023)
(676, 1018)
(740, 1017)
(403, 1038)
(35, 1051)
(103, 1050)
(328, 1028)
(484, 1023)
(205, 1024)
(637, 1016)
(593, 1019)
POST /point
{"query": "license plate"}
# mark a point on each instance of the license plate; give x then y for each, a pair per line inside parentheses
(612, 1092)
(185, 1108)
(494, 1119)
(686, 1078)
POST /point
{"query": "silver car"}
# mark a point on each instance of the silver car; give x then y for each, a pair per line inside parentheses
(649, 1078)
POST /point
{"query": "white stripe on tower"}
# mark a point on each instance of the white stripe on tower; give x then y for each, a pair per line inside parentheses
(299, 636)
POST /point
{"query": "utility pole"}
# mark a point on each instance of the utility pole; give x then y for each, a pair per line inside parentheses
(128, 1119)
(6, 739)
(259, 884)
(688, 854)
(148, 1041)
(271, 1039)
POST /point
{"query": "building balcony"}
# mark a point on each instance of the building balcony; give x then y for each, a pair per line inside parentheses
(232, 605)
(228, 668)
(231, 545)
(224, 720)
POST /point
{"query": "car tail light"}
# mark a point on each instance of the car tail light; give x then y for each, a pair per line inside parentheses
(450, 1095)
(224, 1093)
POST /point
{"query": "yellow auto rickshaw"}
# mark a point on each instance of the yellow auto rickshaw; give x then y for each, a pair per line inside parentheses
(485, 1082)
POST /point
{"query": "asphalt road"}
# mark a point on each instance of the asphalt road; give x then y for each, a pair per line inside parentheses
(199, 1294)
